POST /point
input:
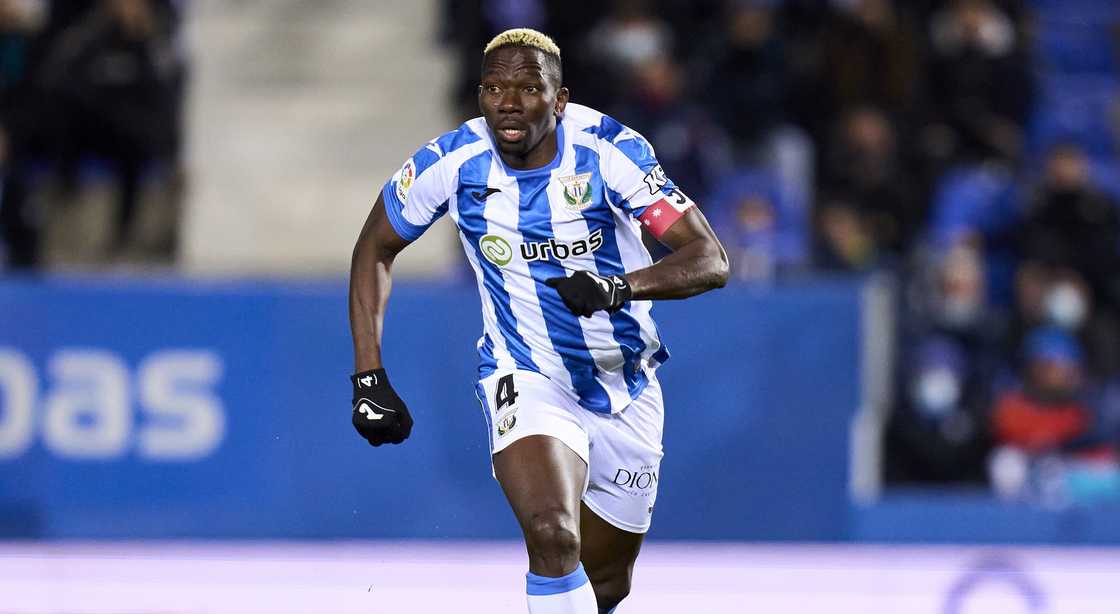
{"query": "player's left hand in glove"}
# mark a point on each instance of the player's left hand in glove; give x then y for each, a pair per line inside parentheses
(379, 414)
(585, 292)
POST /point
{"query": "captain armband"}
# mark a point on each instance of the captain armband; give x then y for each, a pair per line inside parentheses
(658, 217)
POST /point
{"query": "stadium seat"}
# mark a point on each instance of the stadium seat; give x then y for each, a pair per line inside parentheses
(1069, 46)
(971, 199)
(1106, 174)
(1082, 109)
(789, 235)
(1085, 11)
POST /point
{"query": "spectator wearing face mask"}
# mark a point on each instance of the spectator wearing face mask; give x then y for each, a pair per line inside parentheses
(607, 53)
(1071, 223)
(937, 431)
(948, 295)
(1060, 297)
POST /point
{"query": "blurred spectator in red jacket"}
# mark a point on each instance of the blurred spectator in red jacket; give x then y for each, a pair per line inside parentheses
(1056, 443)
(1047, 413)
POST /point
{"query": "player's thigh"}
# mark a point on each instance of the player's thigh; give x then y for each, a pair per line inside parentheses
(625, 462)
(539, 445)
(541, 477)
(606, 551)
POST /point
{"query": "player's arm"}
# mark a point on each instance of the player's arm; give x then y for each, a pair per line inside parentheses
(370, 281)
(378, 413)
(697, 263)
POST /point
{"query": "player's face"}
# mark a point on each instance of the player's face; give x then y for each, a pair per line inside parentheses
(521, 101)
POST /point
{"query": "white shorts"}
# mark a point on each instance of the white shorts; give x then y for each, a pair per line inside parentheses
(622, 451)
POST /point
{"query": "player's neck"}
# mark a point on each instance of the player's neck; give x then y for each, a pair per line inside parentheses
(541, 155)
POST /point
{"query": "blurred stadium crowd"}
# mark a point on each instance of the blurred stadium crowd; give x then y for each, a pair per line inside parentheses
(89, 89)
(969, 147)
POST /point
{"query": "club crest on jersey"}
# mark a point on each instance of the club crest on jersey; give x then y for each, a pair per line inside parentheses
(405, 177)
(495, 249)
(506, 424)
(577, 191)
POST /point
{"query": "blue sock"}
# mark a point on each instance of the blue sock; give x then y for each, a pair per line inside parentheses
(570, 594)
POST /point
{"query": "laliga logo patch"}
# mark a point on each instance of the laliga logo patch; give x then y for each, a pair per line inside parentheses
(577, 191)
(405, 178)
(495, 249)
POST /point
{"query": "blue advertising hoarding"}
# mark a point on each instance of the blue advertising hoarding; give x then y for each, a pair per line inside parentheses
(134, 408)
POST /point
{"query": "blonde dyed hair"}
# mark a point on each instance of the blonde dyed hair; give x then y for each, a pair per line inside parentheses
(523, 37)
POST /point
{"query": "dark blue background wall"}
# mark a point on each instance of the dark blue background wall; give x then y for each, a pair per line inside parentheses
(759, 394)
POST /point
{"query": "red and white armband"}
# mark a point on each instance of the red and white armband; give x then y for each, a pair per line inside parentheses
(658, 217)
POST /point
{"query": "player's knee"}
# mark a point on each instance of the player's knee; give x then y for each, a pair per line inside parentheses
(611, 595)
(552, 539)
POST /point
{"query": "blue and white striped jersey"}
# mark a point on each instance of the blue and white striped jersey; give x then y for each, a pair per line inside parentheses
(583, 211)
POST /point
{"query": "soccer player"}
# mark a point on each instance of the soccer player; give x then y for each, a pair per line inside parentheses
(549, 198)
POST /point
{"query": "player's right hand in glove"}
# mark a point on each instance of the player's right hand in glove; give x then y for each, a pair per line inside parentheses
(585, 292)
(379, 414)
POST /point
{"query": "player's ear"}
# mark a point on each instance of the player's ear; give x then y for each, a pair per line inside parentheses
(561, 101)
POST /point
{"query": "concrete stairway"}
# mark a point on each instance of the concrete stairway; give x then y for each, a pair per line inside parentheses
(300, 110)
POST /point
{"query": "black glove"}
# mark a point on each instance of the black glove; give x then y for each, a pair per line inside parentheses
(379, 414)
(585, 292)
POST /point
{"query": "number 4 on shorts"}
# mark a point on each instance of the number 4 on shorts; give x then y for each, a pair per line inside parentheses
(505, 394)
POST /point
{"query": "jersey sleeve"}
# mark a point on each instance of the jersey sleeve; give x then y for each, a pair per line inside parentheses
(631, 171)
(417, 194)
